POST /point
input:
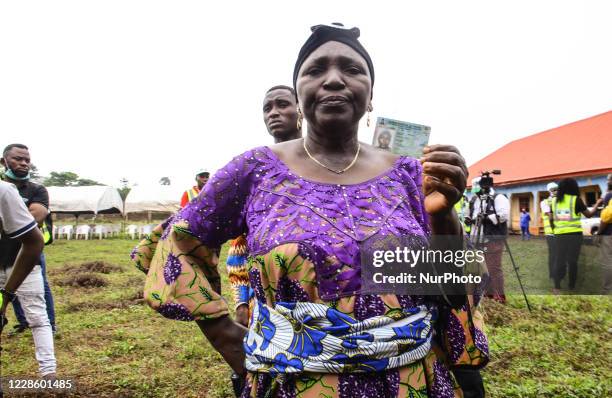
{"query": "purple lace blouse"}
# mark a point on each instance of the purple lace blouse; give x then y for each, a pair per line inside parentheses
(256, 194)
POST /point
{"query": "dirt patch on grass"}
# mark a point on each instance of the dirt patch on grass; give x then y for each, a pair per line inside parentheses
(496, 314)
(580, 321)
(134, 281)
(85, 279)
(135, 299)
(101, 267)
(501, 363)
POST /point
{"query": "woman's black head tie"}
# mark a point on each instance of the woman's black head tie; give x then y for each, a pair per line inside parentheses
(321, 34)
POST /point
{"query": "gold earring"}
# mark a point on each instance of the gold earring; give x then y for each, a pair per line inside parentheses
(368, 119)
(300, 117)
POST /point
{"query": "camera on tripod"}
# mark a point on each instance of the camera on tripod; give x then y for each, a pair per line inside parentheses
(486, 181)
(483, 191)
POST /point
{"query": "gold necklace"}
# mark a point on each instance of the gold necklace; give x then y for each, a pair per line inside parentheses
(329, 168)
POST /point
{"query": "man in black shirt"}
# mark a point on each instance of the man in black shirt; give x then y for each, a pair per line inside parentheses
(16, 161)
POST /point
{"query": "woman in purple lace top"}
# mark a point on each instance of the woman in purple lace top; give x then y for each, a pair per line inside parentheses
(306, 207)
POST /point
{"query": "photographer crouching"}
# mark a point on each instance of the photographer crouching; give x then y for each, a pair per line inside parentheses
(488, 216)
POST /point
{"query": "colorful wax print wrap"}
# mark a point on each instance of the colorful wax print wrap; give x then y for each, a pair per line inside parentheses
(309, 337)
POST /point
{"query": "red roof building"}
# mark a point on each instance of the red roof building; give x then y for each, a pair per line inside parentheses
(582, 150)
(577, 149)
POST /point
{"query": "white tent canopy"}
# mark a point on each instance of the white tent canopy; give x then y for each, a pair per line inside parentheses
(154, 198)
(84, 200)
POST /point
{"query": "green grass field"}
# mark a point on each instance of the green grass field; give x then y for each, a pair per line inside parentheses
(114, 346)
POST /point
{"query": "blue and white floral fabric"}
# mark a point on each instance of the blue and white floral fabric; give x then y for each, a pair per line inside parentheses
(309, 337)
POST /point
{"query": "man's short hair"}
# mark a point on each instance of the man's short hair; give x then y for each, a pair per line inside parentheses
(9, 147)
(281, 87)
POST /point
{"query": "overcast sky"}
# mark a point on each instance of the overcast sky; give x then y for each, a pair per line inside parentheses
(146, 89)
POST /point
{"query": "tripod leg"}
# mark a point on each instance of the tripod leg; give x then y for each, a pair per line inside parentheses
(517, 274)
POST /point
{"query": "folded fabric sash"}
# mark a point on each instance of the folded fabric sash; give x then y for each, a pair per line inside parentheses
(309, 337)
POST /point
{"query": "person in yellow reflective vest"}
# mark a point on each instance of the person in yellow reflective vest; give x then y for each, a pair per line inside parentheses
(566, 209)
(461, 208)
(546, 213)
(201, 178)
(47, 233)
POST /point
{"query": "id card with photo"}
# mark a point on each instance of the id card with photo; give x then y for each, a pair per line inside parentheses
(399, 137)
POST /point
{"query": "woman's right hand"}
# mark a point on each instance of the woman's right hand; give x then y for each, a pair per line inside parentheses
(226, 337)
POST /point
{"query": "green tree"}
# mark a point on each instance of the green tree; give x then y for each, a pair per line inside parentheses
(125, 188)
(61, 179)
(83, 182)
(34, 172)
(67, 179)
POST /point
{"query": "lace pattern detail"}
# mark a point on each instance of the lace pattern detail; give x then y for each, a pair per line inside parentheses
(257, 193)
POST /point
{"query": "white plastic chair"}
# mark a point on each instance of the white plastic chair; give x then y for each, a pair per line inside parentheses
(101, 231)
(131, 230)
(65, 230)
(145, 230)
(82, 230)
(54, 232)
(114, 229)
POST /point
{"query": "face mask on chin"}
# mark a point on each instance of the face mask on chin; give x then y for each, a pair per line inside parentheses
(16, 177)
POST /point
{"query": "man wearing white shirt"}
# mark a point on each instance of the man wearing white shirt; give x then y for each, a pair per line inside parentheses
(491, 211)
(23, 277)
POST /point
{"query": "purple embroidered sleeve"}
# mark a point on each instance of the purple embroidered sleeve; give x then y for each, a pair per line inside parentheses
(218, 214)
